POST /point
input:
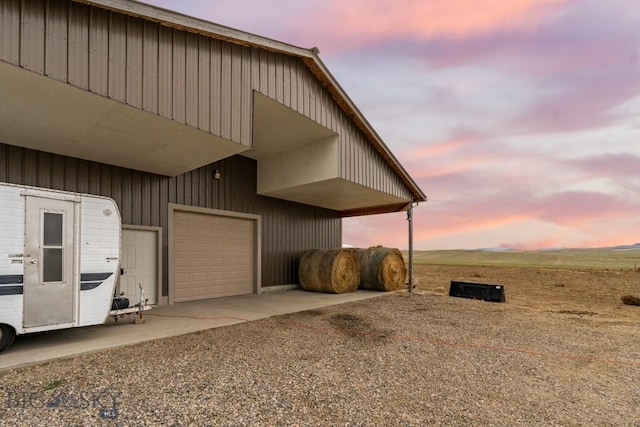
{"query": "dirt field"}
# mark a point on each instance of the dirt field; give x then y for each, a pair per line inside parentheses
(589, 293)
(561, 351)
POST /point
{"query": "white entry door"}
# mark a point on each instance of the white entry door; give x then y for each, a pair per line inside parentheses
(139, 265)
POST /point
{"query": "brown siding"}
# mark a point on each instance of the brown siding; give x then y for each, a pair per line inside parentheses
(78, 57)
(190, 78)
(287, 228)
(10, 31)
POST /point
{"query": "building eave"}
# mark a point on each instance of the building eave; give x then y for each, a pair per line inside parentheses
(308, 56)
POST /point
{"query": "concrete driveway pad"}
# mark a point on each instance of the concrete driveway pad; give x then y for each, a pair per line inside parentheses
(166, 321)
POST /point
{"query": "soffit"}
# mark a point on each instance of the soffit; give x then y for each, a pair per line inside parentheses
(44, 114)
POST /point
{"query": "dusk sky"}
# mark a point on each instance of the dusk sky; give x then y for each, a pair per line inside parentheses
(519, 119)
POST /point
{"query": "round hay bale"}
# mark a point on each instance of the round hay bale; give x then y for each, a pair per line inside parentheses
(382, 269)
(329, 270)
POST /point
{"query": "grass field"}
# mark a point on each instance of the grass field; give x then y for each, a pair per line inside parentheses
(570, 259)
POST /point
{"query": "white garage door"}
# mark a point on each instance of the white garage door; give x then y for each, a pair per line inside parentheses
(213, 256)
(139, 264)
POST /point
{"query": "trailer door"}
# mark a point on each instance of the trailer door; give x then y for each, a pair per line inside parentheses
(49, 279)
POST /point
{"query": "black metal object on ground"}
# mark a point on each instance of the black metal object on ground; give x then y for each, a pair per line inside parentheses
(483, 291)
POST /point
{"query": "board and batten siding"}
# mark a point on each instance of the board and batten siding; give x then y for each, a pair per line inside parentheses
(287, 228)
(191, 78)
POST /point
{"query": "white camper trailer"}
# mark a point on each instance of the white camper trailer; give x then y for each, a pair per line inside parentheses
(59, 259)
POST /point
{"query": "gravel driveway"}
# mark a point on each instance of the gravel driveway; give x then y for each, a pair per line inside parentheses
(399, 359)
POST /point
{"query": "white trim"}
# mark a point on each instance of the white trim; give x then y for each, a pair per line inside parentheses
(53, 195)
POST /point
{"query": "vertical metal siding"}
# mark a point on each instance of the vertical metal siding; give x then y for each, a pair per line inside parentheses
(146, 204)
(134, 63)
(279, 76)
(150, 67)
(178, 86)
(311, 93)
(117, 64)
(271, 75)
(10, 31)
(93, 176)
(30, 163)
(43, 172)
(78, 56)
(204, 83)
(236, 93)
(293, 70)
(286, 81)
(165, 72)
(98, 51)
(246, 96)
(56, 27)
(225, 91)
(216, 89)
(300, 72)
(263, 75)
(70, 175)
(32, 36)
(191, 80)
(57, 173)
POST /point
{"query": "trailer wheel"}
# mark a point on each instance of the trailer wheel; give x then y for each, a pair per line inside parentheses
(7, 334)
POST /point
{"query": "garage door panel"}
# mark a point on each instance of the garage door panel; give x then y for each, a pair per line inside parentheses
(213, 256)
(181, 294)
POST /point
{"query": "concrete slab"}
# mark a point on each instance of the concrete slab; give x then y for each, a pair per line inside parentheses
(166, 321)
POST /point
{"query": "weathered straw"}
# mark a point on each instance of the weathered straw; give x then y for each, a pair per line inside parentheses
(331, 270)
(381, 269)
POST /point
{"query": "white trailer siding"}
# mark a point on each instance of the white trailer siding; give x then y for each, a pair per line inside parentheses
(11, 268)
(96, 254)
(99, 256)
(11, 230)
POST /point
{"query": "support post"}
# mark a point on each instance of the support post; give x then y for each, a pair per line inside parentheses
(410, 221)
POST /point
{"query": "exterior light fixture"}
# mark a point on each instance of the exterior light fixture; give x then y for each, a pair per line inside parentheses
(216, 174)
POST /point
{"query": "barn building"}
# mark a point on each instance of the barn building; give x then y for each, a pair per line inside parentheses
(227, 153)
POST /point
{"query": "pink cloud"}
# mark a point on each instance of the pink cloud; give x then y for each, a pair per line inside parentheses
(359, 22)
(610, 165)
(572, 208)
(577, 65)
(438, 148)
(578, 213)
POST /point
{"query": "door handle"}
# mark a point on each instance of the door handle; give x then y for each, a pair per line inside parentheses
(34, 261)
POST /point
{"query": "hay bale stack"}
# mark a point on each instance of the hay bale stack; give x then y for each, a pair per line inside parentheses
(329, 270)
(381, 269)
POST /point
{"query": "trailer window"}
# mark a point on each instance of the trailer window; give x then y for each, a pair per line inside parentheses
(52, 265)
(52, 229)
(52, 251)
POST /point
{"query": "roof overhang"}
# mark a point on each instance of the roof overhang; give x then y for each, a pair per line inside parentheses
(299, 160)
(44, 114)
(41, 113)
(308, 56)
